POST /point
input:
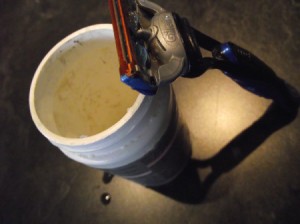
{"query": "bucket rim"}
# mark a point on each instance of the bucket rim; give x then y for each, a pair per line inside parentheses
(60, 140)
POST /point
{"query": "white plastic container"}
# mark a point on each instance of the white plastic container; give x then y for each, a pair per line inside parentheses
(143, 145)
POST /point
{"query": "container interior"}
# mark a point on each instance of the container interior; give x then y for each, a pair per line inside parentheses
(78, 92)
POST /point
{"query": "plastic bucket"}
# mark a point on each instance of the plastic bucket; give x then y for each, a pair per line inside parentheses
(140, 144)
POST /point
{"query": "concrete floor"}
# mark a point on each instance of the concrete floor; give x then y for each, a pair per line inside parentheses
(38, 184)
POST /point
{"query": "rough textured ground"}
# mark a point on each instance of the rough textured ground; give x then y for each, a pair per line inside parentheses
(38, 184)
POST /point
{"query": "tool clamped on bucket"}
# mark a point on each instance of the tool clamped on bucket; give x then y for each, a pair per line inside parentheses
(156, 46)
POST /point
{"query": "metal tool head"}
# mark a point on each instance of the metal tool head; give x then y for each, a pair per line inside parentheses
(150, 48)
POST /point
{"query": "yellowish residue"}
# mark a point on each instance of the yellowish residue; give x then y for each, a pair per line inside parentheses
(90, 96)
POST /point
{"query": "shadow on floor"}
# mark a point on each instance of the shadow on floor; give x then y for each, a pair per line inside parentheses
(189, 188)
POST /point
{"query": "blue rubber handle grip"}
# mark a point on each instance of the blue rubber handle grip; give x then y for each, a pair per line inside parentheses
(254, 75)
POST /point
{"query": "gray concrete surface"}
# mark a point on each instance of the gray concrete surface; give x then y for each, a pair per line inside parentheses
(38, 184)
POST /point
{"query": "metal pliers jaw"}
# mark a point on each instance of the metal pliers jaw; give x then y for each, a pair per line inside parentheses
(164, 44)
(160, 53)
